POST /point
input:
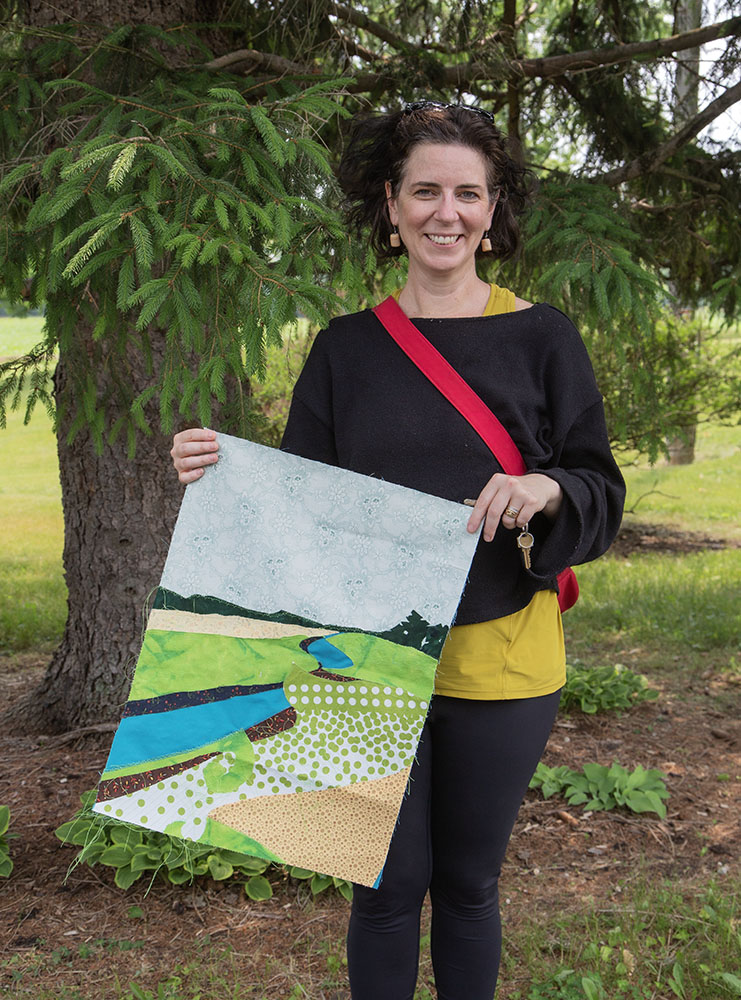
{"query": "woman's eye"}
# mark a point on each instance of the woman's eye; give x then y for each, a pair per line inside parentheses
(424, 192)
(469, 195)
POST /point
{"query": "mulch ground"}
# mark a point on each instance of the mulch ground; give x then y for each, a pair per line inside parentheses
(73, 933)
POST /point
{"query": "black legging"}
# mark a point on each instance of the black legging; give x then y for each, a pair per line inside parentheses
(474, 763)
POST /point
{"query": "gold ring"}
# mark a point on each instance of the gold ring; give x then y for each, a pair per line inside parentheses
(512, 512)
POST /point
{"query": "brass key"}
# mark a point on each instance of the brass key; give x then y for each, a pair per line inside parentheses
(525, 542)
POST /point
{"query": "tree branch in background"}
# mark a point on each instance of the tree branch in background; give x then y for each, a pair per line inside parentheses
(361, 20)
(497, 66)
(265, 60)
(587, 59)
(351, 48)
(651, 161)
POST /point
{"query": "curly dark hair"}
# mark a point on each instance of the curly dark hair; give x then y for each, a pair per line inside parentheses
(377, 150)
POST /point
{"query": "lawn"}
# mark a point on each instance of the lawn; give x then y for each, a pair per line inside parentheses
(18, 334)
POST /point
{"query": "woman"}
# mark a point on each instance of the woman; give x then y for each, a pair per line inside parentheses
(435, 182)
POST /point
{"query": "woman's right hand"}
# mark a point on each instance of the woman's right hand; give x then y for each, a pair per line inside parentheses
(191, 451)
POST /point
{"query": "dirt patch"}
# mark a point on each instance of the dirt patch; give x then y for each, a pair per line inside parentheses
(77, 935)
(640, 537)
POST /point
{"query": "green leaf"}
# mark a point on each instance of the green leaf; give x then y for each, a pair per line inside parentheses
(320, 882)
(121, 834)
(16, 175)
(219, 868)
(179, 876)
(142, 245)
(274, 142)
(258, 888)
(125, 283)
(76, 831)
(4, 819)
(591, 990)
(85, 252)
(345, 890)
(732, 982)
(91, 852)
(125, 877)
(117, 856)
(142, 863)
(221, 213)
(301, 873)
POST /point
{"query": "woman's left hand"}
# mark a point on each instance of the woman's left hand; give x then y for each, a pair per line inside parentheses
(504, 495)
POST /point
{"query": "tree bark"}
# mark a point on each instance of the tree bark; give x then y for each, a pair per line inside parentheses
(688, 16)
(118, 519)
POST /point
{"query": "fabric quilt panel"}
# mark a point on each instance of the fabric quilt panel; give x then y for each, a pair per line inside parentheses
(288, 662)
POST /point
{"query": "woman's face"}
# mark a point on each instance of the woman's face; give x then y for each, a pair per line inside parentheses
(443, 207)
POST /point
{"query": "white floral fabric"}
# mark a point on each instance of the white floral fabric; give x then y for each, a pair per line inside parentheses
(273, 532)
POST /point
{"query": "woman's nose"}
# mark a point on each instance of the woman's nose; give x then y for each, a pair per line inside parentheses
(446, 207)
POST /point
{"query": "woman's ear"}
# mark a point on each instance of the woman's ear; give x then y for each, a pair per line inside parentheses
(391, 205)
(494, 202)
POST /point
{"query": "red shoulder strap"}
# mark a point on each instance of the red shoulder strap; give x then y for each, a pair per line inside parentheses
(453, 386)
(457, 391)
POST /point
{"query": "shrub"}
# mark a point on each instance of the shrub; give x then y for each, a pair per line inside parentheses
(6, 864)
(604, 689)
(597, 787)
(134, 852)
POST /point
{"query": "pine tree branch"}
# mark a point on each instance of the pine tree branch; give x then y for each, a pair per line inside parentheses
(351, 48)
(499, 66)
(496, 65)
(591, 58)
(265, 60)
(651, 161)
(361, 20)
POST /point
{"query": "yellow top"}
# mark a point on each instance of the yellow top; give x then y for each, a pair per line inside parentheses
(518, 656)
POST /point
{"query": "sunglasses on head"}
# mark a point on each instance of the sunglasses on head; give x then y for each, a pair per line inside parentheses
(439, 106)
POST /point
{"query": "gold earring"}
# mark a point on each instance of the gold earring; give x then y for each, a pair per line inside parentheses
(394, 238)
(485, 243)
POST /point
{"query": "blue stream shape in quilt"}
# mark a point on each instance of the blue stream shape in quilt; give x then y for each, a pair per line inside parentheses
(145, 737)
(184, 720)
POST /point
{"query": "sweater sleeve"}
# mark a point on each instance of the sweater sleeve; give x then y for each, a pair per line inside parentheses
(593, 497)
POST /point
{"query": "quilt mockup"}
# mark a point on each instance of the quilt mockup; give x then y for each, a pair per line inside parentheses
(288, 662)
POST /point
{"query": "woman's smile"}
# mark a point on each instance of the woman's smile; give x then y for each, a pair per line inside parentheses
(443, 241)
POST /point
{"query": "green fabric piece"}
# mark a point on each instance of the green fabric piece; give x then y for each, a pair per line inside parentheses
(385, 662)
(190, 661)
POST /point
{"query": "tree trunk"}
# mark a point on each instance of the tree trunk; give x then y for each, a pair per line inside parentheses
(688, 15)
(682, 447)
(118, 519)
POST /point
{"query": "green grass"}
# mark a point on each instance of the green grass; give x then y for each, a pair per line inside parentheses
(700, 497)
(674, 601)
(647, 940)
(32, 590)
(18, 334)
(651, 942)
(672, 611)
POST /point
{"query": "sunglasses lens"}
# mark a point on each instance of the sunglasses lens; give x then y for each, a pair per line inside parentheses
(438, 106)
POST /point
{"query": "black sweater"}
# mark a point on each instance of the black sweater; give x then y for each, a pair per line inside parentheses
(361, 404)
